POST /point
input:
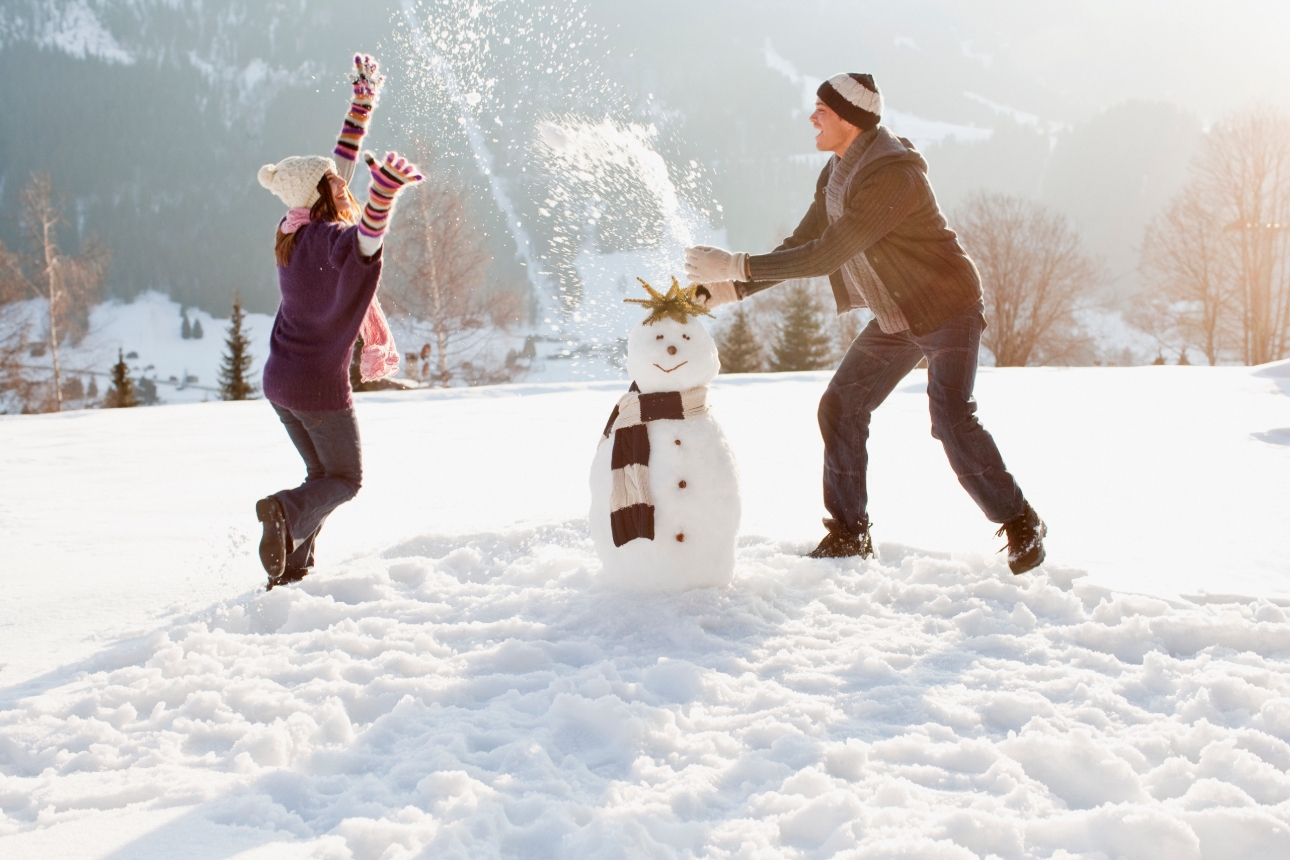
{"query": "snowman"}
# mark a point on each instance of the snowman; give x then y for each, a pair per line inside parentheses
(664, 486)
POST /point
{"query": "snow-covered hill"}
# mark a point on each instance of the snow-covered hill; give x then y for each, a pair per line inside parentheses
(147, 332)
(453, 682)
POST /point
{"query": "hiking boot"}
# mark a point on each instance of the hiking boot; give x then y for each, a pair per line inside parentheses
(290, 575)
(1025, 540)
(839, 544)
(273, 543)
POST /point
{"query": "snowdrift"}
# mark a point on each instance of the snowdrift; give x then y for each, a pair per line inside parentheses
(453, 682)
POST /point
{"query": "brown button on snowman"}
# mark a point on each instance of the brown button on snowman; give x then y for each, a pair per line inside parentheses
(665, 502)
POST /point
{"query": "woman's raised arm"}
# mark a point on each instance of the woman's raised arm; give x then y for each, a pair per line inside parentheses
(367, 79)
(389, 177)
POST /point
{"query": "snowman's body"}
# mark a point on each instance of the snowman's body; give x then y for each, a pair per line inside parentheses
(693, 480)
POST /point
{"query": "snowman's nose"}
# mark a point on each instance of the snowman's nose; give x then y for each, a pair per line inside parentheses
(671, 350)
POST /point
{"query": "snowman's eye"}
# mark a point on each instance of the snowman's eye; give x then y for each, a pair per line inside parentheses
(686, 336)
(660, 337)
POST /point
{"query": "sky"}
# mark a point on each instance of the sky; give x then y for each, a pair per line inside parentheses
(1205, 55)
(1208, 56)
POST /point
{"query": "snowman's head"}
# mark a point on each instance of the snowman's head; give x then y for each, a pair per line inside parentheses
(670, 351)
(668, 355)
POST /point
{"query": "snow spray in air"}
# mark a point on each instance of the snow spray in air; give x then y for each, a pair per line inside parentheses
(474, 135)
(665, 502)
(593, 185)
(611, 193)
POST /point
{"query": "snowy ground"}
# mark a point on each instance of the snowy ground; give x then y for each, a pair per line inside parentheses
(453, 682)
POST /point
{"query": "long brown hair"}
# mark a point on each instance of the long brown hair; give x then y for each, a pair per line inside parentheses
(323, 210)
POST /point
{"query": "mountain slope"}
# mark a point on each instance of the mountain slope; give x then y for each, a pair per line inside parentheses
(153, 115)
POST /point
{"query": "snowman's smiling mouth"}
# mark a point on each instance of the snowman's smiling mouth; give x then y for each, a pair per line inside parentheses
(665, 370)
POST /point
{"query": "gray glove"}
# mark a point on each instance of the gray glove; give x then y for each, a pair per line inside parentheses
(707, 265)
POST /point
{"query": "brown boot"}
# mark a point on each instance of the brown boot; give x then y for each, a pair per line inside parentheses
(840, 544)
(1025, 540)
(290, 575)
(273, 543)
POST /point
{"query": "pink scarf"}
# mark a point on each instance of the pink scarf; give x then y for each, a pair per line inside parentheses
(380, 356)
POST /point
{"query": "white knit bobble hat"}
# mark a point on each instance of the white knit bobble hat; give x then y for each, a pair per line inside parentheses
(295, 179)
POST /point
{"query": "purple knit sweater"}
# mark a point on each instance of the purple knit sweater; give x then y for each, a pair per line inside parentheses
(325, 293)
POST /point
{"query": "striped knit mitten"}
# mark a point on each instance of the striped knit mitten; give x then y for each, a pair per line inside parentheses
(389, 177)
(367, 80)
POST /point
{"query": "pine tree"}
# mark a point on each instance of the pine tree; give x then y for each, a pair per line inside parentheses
(186, 329)
(738, 346)
(233, 382)
(121, 395)
(803, 342)
(93, 390)
(197, 330)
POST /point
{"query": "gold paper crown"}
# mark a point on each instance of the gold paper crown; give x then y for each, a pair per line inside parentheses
(677, 304)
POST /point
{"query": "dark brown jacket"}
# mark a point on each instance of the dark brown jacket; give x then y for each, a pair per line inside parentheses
(892, 218)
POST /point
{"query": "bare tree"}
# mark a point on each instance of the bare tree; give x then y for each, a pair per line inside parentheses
(13, 283)
(15, 331)
(1188, 269)
(15, 382)
(1243, 179)
(69, 284)
(439, 263)
(1217, 261)
(1036, 275)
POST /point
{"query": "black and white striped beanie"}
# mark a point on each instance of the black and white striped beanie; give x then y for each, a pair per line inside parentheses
(853, 97)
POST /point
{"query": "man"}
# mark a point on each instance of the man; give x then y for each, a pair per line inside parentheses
(875, 229)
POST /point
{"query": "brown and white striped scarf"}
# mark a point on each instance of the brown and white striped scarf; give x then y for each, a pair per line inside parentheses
(631, 507)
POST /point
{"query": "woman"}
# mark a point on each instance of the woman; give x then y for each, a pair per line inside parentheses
(329, 266)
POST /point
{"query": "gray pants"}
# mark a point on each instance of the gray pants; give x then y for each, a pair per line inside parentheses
(873, 366)
(328, 443)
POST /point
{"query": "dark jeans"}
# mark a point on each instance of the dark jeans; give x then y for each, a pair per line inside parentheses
(328, 443)
(868, 373)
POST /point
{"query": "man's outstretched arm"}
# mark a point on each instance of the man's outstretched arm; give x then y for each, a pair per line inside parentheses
(811, 228)
(878, 206)
(723, 290)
